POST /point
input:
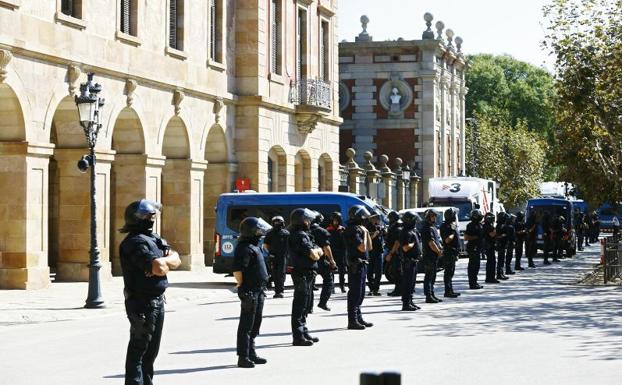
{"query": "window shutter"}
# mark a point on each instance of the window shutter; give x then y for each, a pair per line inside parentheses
(322, 52)
(125, 16)
(274, 25)
(172, 39)
(212, 20)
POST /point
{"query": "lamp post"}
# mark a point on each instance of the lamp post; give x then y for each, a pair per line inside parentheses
(89, 108)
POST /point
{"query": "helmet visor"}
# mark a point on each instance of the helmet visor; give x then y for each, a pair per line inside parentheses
(147, 208)
(262, 227)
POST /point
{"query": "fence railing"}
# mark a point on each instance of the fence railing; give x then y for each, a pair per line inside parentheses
(311, 92)
(612, 258)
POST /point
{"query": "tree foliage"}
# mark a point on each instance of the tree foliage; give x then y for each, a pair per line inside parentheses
(511, 155)
(586, 38)
(514, 89)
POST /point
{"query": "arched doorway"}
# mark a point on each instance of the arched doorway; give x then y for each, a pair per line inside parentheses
(128, 176)
(217, 181)
(325, 173)
(302, 171)
(277, 170)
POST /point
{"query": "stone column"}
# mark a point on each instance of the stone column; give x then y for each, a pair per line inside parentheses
(372, 177)
(74, 213)
(388, 179)
(445, 118)
(197, 212)
(356, 175)
(218, 179)
(400, 185)
(24, 215)
(414, 190)
(153, 190)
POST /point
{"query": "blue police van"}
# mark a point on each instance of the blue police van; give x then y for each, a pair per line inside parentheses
(555, 207)
(606, 212)
(232, 208)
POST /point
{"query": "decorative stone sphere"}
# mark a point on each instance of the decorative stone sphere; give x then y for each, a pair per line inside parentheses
(440, 25)
(459, 40)
(449, 33)
(428, 17)
(364, 19)
(398, 162)
(350, 153)
(368, 155)
(383, 159)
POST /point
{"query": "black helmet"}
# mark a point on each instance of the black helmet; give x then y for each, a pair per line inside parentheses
(562, 219)
(319, 218)
(393, 217)
(429, 213)
(298, 217)
(358, 213)
(253, 227)
(138, 215)
(510, 218)
(501, 218)
(476, 215)
(489, 218)
(410, 219)
(336, 216)
(450, 214)
(520, 216)
(277, 221)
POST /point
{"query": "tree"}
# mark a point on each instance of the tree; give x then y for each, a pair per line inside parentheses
(512, 156)
(512, 88)
(586, 38)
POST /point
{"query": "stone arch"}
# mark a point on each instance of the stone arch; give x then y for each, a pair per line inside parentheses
(12, 123)
(128, 174)
(112, 120)
(302, 171)
(175, 140)
(277, 169)
(218, 180)
(325, 173)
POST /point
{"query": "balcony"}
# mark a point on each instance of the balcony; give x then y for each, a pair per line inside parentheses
(312, 99)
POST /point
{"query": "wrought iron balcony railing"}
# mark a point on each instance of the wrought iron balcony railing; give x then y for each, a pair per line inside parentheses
(311, 92)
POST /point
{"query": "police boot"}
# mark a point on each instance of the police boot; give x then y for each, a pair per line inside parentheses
(258, 360)
(430, 299)
(451, 294)
(354, 325)
(311, 338)
(519, 268)
(302, 342)
(245, 362)
(323, 306)
(509, 272)
(436, 298)
(410, 307)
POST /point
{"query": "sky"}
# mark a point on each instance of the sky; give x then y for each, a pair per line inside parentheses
(514, 27)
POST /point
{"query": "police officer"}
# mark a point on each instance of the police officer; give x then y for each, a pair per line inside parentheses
(502, 242)
(511, 239)
(451, 249)
(376, 258)
(410, 246)
(558, 230)
(578, 220)
(432, 250)
(326, 264)
(393, 257)
(474, 236)
(490, 235)
(358, 245)
(275, 243)
(531, 245)
(251, 275)
(547, 236)
(338, 246)
(145, 260)
(521, 234)
(595, 228)
(304, 255)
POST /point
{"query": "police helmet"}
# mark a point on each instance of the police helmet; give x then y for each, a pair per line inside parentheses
(252, 227)
(299, 216)
(489, 218)
(277, 219)
(562, 219)
(336, 216)
(510, 218)
(476, 215)
(138, 215)
(358, 213)
(410, 218)
(520, 216)
(393, 217)
(429, 213)
(450, 214)
(319, 218)
(502, 217)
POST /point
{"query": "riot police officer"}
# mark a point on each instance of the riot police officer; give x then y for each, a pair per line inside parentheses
(304, 255)
(393, 257)
(326, 264)
(251, 275)
(338, 246)
(490, 235)
(531, 245)
(558, 230)
(275, 243)
(521, 235)
(410, 246)
(502, 242)
(580, 229)
(376, 258)
(358, 245)
(451, 249)
(474, 237)
(145, 260)
(546, 236)
(511, 239)
(432, 250)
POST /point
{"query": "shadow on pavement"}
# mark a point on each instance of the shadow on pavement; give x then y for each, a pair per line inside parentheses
(230, 349)
(183, 371)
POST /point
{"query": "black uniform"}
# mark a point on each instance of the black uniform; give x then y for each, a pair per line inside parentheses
(410, 259)
(558, 231)
(474, 249)
(395, 264)
(276, 240)
(376, 258)
(531, 236)
(511, 241)
(546, 236)
(521, 236)
(429, 232)
(502, 242)
(249, 259)
(451, 251)
(357, 271)
(304, 270)
(580, 229)
(321, 237)
(338, 248)
(144, 303)
(489, 250)
(594, 228)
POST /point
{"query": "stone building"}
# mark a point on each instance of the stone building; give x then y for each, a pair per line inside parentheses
(405, 99)
(198, 94)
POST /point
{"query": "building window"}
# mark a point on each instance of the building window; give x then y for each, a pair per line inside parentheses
(72, 8)
(301, 44)
(176, 25)
(129, 11)
(215, 39)
(324, 51)
(270, 173)
(275, 32)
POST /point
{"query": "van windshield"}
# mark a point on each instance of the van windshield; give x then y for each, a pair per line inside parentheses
(235, 214)
(552, 210)
(465, 208)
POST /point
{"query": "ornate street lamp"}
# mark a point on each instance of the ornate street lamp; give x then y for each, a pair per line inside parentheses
(89, 108)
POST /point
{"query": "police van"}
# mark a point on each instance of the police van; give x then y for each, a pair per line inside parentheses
(554, 207)
(232, 208)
